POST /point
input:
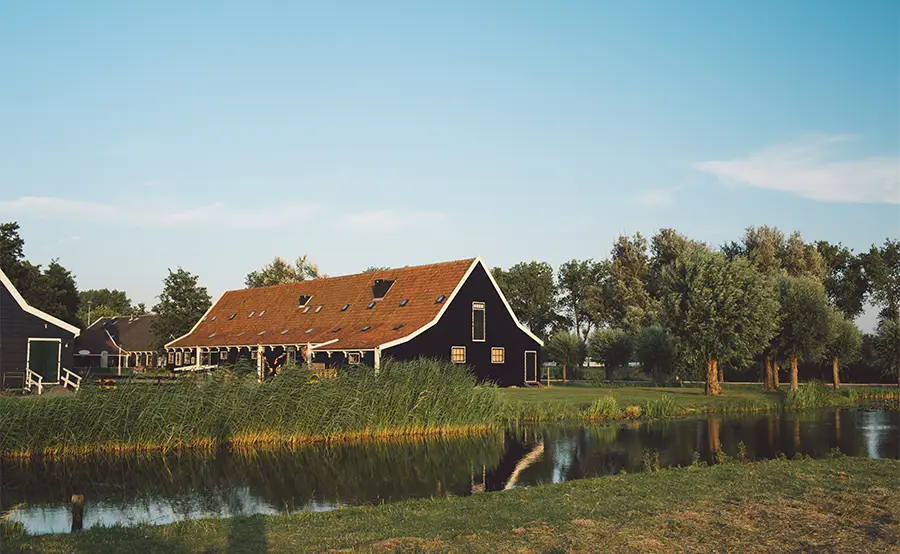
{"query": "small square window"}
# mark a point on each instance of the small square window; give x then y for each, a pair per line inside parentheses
(319, 308)
(344, 309)
(498, 355)
(404, 302)
(458, 354)
(354, 357)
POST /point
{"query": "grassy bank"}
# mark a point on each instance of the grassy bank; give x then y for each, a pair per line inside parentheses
(834, 505)
(579, 402)
(411, 398)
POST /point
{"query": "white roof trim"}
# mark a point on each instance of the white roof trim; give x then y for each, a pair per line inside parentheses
(447, 302)
(206, 313)
(34, 311)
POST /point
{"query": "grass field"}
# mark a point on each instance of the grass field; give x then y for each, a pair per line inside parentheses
(831, 505)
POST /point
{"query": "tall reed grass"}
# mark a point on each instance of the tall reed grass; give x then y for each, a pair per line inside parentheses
(405, 398)
(815, 394)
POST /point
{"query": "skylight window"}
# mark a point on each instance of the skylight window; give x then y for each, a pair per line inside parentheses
(261, 313)
(204, 319)
(399, 326)
(231, 316)
(367, 327)
(440, 299)
(344, 309)
(319, 308)
(306, 309)
(310, 330)
(261, 333)
(212, 335)
(404, 302)
(214, 318)
(336, 329)
(371, 305)
(251, 314)
(284, 332)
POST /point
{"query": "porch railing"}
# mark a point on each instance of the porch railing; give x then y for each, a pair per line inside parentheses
(71, 379)
(32, 379)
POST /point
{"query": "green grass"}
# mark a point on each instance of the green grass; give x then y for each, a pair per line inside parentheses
(408, 398)
(831, 505)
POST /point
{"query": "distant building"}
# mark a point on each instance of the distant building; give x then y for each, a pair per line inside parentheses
(452, 311)
(117, 343)
(31, 340)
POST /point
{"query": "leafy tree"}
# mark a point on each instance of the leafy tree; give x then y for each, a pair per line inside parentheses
(181, 303)
(764, 247)
(845, 278)
(667, 247)
(375, 269)
(887, 347)
(801, 259)
(531, 292)
(12, 247)
(804, 324)
(630, 303)
(655, 349)
(63, 303)
(97, 303)
(718, 309)
(843, 343)
(281, 272)
(578, 282)
(612, 347)
(566, 349)
(140, 309)
(882, 266)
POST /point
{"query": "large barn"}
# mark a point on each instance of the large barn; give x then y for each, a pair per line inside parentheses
(452, 311)
(34, 345)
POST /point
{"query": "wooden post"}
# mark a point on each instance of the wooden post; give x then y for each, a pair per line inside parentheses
(259, 363)
(119, 371)
(377, 360)
(199, 357)
(77, 512)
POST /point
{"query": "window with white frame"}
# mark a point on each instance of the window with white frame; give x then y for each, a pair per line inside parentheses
(171, 357)
(478, 333)
(178, 358)
(458, 354)
(354, 357)
(498, 355)
(291, 355)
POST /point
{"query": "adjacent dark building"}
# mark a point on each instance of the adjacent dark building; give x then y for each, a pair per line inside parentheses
(452, 311)
(117, 343)
(31, 340)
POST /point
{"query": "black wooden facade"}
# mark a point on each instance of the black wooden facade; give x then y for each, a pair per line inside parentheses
(24, 328)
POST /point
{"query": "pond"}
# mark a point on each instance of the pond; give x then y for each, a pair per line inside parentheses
(161, 489)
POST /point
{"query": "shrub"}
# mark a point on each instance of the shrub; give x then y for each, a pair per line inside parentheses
(664, 406)
(604, 407)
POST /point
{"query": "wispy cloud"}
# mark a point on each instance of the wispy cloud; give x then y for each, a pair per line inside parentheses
(810, 167)
(656, 198)
(156, 214)
(390, 220)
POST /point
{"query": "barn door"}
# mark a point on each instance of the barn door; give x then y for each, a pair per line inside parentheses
(531, 375)
(43, 358)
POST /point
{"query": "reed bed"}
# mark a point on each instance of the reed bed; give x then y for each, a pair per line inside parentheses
(417, 398)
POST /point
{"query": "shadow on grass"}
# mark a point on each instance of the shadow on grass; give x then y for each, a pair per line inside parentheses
(248, 534)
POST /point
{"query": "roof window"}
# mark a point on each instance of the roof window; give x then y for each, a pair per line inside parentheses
(399, 326)
(336, 329)
(284, 332)
(404, 302)
(371, 305)
(304, 300)
(310, 330)
(213, 318)
(212, 335)
(344, 309)
(319, 308)
(231, 316)
(367, 327)
(261, 313)
(261, 333)
(306, 309)
(440, 299)
(251, 314)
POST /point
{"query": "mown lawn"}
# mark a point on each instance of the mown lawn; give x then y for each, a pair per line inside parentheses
(688, 398)
(831, 505)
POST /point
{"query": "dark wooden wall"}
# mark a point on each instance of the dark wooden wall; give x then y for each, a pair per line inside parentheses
(16, 326)
(455, 329)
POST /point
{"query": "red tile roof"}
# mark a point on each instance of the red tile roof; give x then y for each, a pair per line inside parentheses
(276, 313)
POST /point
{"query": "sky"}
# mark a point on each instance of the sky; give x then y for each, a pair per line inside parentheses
(141, 136)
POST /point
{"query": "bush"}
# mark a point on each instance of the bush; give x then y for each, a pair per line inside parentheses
(604, 407)
(664, 406)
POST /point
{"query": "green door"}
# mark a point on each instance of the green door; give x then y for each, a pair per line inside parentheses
(43, 359)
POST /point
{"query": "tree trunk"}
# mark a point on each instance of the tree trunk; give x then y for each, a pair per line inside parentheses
(712, 383)
(770, 378)
(795, 381)
(564, 373)
(776, 368)
(721, 373)
(835, 365)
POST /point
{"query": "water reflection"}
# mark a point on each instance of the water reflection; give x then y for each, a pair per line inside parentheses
(161, 489)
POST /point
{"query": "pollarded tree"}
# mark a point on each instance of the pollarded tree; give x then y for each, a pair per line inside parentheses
(887, 347)
(718, 309)
(566, 349)
(281, 272)
(655, 349)
(578, 281)
(631, 305)
(843, 344)
(181, 303)
(845, 277)
(804, 323)
(882, 266)
(613, 347)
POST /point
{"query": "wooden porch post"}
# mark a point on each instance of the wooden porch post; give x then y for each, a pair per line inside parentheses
(260, 350)
(377, 359)
(199, 356)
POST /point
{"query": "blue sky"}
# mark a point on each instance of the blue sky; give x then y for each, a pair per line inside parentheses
(135, 137)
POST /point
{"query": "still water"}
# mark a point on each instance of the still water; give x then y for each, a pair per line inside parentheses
(162, 489)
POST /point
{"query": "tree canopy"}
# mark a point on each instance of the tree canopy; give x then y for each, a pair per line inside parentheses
(181, 304)
(281, 272)
(531, 293)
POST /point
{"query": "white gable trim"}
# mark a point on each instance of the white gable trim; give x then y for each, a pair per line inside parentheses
(447, 302)
(34, 311)
(199, 321)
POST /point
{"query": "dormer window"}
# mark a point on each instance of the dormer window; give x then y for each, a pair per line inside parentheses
(381, 288)
(304, 300)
